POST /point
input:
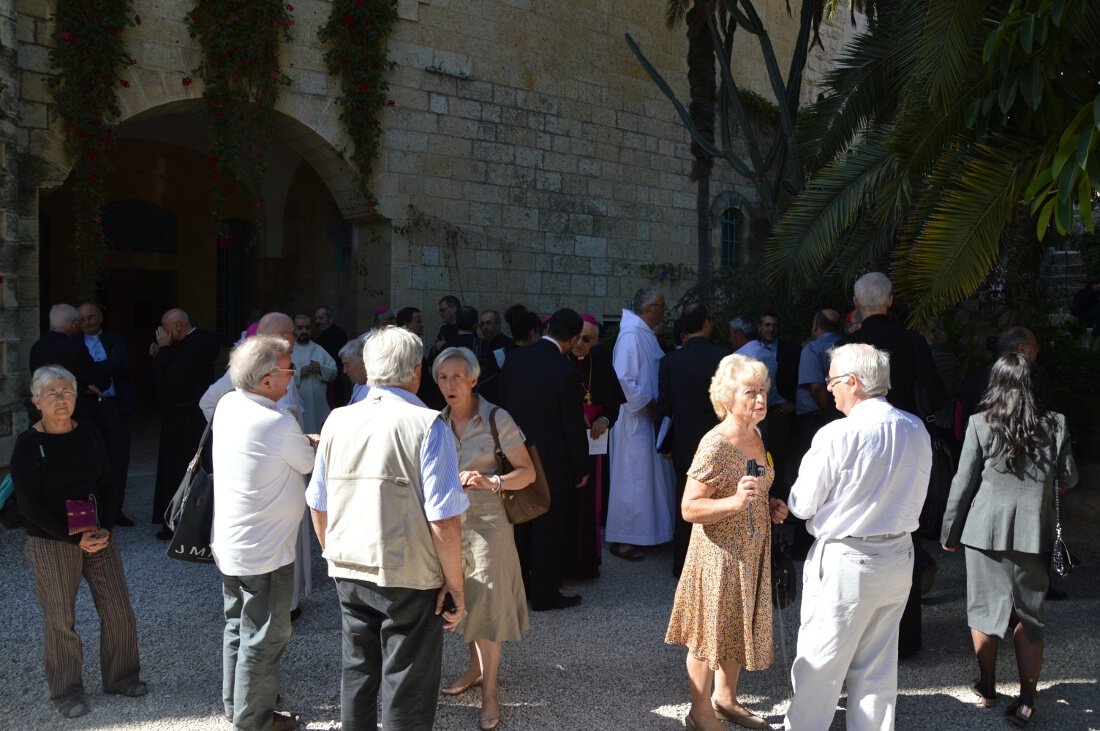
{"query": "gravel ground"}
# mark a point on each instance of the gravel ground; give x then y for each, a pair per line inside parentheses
(601, 665)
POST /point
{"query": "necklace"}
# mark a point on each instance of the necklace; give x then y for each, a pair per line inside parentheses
(588, 386)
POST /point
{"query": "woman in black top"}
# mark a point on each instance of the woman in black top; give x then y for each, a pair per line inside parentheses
(56, 460)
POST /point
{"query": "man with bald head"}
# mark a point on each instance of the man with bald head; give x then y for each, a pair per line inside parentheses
(182, 367)
(60, 346)
(116, 401)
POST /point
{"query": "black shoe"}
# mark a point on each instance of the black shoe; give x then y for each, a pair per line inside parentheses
(557, 600)
(164, 534)
(295, 614)
(124, 522)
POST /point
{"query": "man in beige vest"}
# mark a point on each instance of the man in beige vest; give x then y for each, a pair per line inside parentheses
(387, 506)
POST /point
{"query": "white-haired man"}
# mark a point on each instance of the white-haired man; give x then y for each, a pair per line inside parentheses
(860, 489)
(260, 458)
(60, 346)
(387, 507)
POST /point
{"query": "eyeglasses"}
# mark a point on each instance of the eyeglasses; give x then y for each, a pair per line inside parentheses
(284, 370)
(68, 394)
(833, 379)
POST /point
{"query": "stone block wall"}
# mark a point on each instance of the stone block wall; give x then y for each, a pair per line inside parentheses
(529, 158)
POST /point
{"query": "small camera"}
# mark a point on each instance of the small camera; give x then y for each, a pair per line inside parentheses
(754, 470)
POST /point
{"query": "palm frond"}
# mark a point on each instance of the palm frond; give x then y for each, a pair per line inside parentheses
(958, 243)
(808, 232)
(864, 86)
(950, 47)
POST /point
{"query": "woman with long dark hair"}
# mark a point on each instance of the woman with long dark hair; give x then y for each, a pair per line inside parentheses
(1001, 508)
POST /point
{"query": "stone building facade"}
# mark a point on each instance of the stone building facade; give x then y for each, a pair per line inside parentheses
(527, 158)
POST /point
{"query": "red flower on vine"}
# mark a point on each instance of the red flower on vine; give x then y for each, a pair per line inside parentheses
(390, 103)
(67, 36)
(137, 20)
(125, 83)
(349, 19)
(364, 85)
(288, 22)
(223, 243)
(290, 8)
(187, 81)
(274, 74)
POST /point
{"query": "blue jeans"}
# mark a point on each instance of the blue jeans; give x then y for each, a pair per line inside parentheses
(257, 628)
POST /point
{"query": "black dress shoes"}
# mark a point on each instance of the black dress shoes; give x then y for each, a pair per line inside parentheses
(557, 600)
(123, 522)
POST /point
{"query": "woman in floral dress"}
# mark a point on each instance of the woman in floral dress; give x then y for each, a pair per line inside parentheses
(722, 610)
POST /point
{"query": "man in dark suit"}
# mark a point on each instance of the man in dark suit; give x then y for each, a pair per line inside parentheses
(683, 394)
(332, 337)
(61, 346)
(542, 392)
(779, 424)
(465, 336)
(116, 402)
(910, 356)
(183, 366)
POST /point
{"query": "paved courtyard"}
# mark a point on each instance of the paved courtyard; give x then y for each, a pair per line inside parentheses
(601, 666)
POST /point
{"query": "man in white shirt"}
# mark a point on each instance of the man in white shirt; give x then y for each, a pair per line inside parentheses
(315, 368)
(860, 489)
(260, 459)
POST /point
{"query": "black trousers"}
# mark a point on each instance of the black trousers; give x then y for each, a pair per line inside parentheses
(392, 647)
(540, 543)
(114, 424)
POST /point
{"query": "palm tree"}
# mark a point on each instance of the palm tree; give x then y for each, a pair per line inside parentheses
(935, 127)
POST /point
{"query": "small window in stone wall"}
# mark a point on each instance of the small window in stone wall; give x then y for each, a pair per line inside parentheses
(731, 232)
(135, 225)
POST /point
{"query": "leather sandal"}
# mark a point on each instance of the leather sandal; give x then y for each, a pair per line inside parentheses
(74, 707)
(984, 701)
(1019, 714)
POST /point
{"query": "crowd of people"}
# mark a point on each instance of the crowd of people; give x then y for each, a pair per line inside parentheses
(400, 458)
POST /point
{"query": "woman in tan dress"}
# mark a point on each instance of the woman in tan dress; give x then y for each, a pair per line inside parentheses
(722, 610)
(497, 609)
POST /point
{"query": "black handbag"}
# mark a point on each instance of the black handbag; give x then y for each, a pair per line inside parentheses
(1061, 562)
(784, 586)
(190, 515)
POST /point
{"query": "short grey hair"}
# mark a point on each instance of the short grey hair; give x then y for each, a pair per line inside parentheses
(391, 355)
(473, 368)
(62, 315)
(353, 347)
(873, 291)
(48, 374)
(744, 325)
(868, 364)
(254, 359)
(643, 297)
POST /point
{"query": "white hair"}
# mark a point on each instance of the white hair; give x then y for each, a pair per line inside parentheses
(353, 347)
(644, 296)
(48, 374)
(873, 291)
(868, 364)
(62, 316)
(254, 359)
(732, 369)
(391, 355)
(473, 368)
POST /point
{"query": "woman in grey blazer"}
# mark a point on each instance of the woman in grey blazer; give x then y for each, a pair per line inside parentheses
(1001, 508)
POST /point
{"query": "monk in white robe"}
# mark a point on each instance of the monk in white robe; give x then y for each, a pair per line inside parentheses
(643, 485)
(313, 369)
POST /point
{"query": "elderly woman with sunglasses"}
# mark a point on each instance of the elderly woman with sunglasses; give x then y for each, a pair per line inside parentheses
(55, 461)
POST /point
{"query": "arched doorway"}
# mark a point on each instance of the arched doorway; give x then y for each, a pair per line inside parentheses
(296, 252)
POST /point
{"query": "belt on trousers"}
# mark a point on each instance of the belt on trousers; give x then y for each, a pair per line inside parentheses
(881, 536)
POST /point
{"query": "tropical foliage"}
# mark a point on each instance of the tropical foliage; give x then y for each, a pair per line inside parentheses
(356, 33)
(935, 127)
(89, 56)
(240, 70)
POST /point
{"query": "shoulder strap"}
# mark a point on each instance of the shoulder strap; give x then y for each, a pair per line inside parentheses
(493, 429)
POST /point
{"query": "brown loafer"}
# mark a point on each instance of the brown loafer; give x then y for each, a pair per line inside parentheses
(745, 720)
(459, 688)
